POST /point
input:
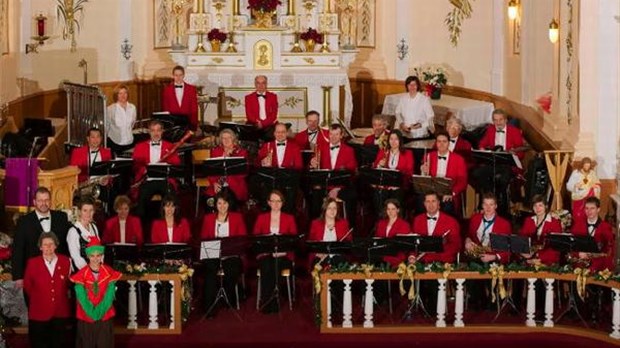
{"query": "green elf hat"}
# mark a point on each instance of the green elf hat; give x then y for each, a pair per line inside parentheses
(94, 246)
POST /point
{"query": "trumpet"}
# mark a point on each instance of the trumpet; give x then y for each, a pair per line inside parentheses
(269, 157)
(317, 155)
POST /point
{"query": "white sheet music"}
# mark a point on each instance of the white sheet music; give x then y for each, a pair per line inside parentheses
(210, 249)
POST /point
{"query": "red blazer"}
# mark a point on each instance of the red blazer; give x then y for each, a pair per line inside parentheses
(292, 155)
(546, 255)
(49, 296)
(142, 156)
(346, 158)
(302, 140)
(456, 170)
(605, 239)
(236, 183)
(500, 226)
(446, 225)
(405, 165)
(252, 110)
(180, 232)
(133, 231)
(514, 139)
(189, 104)
(400, 227)
(317, 230)
(80, 157)
(287, 224)
(236, 226)
(370, 140)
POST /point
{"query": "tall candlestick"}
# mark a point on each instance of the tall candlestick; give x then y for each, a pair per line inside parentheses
(328, 6)
(291, 8)
(235, 8)
(200, 8)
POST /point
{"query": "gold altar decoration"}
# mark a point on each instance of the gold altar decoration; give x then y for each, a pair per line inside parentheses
(231, 43)
(200, 48)
(327, 99)
(462, 10)
(309, 45)
(177, 8)
(263, 19)
(67, 11)
(557, 162)
(216, 45)
(263, 55)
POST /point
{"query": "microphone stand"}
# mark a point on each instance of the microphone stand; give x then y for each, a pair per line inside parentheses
(221, 292)
(417, 300)
(29, 174)
(275, 295)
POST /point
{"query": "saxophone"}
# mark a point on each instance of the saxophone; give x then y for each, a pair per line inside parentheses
(478, 251)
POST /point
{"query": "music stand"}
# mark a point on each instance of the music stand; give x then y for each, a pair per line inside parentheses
(365, 154)
(273, 244)
(225, 166)
(171, 120)
(495, 158)
(167, 251)
(116, 167)
(121, 252)
(245, 132)
(329, 248)
(285, 179)
(327, 177)
(424, 183)
(306, 156)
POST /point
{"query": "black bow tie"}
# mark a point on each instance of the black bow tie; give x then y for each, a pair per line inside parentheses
(500, 131)
(488, 221)
(431, 218)
(155, 143)
(453, 140)
(443, 157)
(94, 151)
(334, 147)
(178, 86)
(312, 132)
(262, 96)
(44, 218)
(281, 144)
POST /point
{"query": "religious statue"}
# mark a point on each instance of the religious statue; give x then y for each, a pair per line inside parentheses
(348, 23)
(583, 183)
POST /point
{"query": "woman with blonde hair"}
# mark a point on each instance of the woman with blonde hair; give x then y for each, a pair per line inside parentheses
(121, 118)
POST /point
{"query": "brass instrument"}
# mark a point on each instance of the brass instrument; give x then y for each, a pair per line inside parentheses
(92, 186)
(317, 155)
(269, 154)
(478, 251)
(383, 141)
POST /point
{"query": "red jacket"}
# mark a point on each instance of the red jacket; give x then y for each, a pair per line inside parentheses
(405, 165)
(236, 226)
(370, 140)
(80, 157)
(236, 183)
(546, 255)
(292, 155)
(180, 233)
(302, 140)
(400, 227)
(446, 226)
(514, 139)
(49, 296)
(317, 230)
(107, 277)
(346, 158)
(133, 231)
(605, 239)
(500, 226)
(188, 106)
(252, 110)
(287, 224)
(456, 170)
(142, 156)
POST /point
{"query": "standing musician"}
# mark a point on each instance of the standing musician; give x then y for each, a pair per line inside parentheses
(154, 150)
(414, 112)
(236, 184)
(445, 164)
(261, 106)
(481, 225)
(83, 157)
(123, 228)
(602, 232)
(180, 98)
(222, 224)
(81, 233)
(171, 228)
(537, 228)
(379, 132)
(395, 156)
(336, 155)
(313, 135)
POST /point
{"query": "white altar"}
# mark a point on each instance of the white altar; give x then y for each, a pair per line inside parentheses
(303, 79)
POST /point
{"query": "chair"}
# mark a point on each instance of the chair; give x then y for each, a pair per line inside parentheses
(286, 274)
(198, 156)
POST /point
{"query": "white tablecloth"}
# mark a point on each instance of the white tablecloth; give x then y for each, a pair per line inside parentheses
(473, 113)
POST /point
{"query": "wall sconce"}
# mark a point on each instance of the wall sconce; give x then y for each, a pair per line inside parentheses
(402, 49)
(554, 31)
(41, 37)
(513, 9)
(126, 49)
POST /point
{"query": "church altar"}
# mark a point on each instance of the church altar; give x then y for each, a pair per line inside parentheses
(310, 78)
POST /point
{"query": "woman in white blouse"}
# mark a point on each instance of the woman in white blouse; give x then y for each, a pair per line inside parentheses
(414, 112)
(80, 233)
(121, 118)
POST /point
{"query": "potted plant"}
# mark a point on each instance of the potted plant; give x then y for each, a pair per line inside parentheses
(263, 10)
(434, 78)
(311, 38)
(216, 37)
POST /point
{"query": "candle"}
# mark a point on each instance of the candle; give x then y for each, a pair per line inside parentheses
(41, 25)
(200, 6)
(291, 7)
(328, 6)
(235, 8)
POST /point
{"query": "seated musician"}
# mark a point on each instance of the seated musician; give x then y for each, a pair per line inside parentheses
(222, 224)
(602, 232)
(83, 157)
(537, 228)
(445, 164)
(458, 144)
(81, 233)
(181, 98)
(395, 156)
(481, 225)
(308, 138)
(379, 132)
(336, 155)
(171, 228)
(261, 106)
(154, 150)
(390, 226)
(235, 184)
(503, 137)
(272, 223)
(123, 228)
(414, 112)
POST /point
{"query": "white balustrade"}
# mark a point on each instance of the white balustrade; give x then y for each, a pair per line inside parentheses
(549, 302)
(153, 324)
(172, 304)
(459, 303)
(347, 305)
(132, 308)
(368, 304)
(616, 315)
(531, 302)
(329, 303)
(441, 303)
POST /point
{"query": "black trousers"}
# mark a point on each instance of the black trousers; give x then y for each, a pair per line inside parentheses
(269, 275)
(52, 333)
(99, 334)
(117, 149)
(232, 268)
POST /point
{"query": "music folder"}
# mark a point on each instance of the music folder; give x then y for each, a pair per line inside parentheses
(382, 176)
(223, 247)
(512, 242)
(328, 177)
(210, 249)
(175, 251)
(424, 183)
(568, 242)
(112, 167)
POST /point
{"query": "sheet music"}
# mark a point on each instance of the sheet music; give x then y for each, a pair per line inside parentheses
(221, 158)
(517, 161)
(210, 249)
(122, 244)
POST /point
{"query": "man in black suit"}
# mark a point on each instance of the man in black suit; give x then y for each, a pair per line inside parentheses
(29, 228)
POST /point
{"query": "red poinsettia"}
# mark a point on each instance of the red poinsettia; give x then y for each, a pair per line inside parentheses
(264, 5)
(312, 34)
(216, 34)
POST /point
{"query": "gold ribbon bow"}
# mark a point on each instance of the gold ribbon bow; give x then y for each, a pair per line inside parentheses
(582, 278)
(605, 274)
(367, 269)
(406, 271)
(497, 274)
(447, 268)
(316, 279)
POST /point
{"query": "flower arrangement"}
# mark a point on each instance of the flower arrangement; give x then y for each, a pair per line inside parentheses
(264, 5)
(433, 76)
(312, 34)
(565, 217)
(216, 35)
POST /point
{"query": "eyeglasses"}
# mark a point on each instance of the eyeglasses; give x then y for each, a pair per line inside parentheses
(275, 200)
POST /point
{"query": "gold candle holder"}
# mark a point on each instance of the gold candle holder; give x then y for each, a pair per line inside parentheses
(296, 47)
(231, 43)
(325, 45)
(200, 8)
(327, 98)
(235, 8)
(200, 48)
(290, 9)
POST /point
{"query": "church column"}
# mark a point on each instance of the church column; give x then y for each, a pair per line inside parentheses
(125, 41)
(499, 34)
(403, 20)
(25, 29)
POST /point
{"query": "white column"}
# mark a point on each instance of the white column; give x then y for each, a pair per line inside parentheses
(132, 308)
(441, 303)
(458, 306)
(403, 25)
(616, 315)
(329, 303)
(26, 25)
(368, 304)
(347, 305)
(549, 302)
(497, 67)
(172, 303)
(124, 32)
(531, 302)
(153, 324)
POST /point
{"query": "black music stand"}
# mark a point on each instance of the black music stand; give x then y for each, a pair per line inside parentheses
(329, 248)
(306, 156)
(171, 120)
(167, 251)
(566, 243)
(273, 244)
(494, 158)
(164, 171)
(424, 183)
(365, 154)
(418, 244)
(121, 252)
(286, 179)
(382, 177)
(245, 132)
(117, 167)
(225, 166)
(222, 249)
(327, 177)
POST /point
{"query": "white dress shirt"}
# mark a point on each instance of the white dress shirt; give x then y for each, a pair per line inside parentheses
(415, 110)
(170, 231)
(154, 152)
(45, 221)
(120, 123)
(179, 93)
(442, 165)
(262, 112)
(313, 136)
(329, 234)
(500, 138)
(591, 228)
(393, 159)
(431, 223)
(539, 228)
(484, 230)
(77, 232)
(222, 229)
(122, 224)
(333, 154)
(51, 265)
(280, 152)
(452, 143)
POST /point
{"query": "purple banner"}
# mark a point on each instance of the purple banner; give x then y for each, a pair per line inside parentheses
(21, 181)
